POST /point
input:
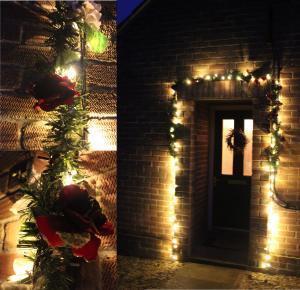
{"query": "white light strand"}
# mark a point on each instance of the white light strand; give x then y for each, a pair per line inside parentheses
(175, 169)
(272, 215)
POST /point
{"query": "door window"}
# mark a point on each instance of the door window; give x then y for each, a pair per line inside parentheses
(227, 154)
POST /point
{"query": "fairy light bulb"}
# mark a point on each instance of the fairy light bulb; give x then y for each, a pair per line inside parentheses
(188, 81)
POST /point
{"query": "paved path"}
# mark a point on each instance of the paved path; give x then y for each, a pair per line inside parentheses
(200, 276)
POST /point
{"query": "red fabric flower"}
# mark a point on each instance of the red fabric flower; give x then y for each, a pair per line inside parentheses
(82, 214)
(89, 251)
(48, 232)
(52, 91)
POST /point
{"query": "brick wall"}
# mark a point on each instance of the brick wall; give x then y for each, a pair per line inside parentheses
(171, 40)
(23, 38)
(200, 173)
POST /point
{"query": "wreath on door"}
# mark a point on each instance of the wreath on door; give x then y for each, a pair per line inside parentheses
(236, 140)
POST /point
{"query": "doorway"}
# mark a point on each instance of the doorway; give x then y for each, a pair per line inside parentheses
(226, 239)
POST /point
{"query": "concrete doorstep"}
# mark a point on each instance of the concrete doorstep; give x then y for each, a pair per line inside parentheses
(199, 276)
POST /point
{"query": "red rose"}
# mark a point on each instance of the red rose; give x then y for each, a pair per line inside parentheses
(89, 251)
(48, 232)
(52, 91)
(81, 213)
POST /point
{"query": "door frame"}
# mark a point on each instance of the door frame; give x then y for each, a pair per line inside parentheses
(211, 154)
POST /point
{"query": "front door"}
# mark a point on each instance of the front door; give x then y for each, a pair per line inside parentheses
(232, 170)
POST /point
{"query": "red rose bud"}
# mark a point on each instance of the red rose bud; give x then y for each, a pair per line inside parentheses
(47, 231)
(89, 251)
(106, 229)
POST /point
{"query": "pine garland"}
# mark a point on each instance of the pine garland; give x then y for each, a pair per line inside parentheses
(55, 268)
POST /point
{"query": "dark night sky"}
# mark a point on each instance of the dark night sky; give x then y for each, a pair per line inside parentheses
(125, 8)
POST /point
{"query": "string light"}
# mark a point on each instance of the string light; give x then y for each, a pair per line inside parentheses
(272, 215)
(68, 178)
(188, 81)
(175, 170)
(69, 72)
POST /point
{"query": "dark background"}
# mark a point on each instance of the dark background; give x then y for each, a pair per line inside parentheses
(125, 8)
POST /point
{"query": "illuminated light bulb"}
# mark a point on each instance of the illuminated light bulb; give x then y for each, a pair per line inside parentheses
(172, 218)
(216, 75)
(175, 200)
(69, 72)
(265, 265)
(176, 120)
(253, 79)
(75, 26)
(177, 113)
(175, 246)
(245, 73)
(238, 78)
(174, 257)
(177, 146)
(97, 139)
(208, 77)
(178, 106)
(68, 178)
(229, 77)
(172, 129)
(188, 81)
(175, 227)
(223, 78)
(273, 143)
(277, 82)
(174, 241)
(268, 76)
(22, 268)
(272, 177)
(267, 257)
(172, 91)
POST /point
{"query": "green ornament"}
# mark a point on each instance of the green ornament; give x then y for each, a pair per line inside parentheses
(96, 40)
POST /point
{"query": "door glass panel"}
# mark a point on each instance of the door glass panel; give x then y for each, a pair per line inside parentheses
(248, 130)
(227, 154)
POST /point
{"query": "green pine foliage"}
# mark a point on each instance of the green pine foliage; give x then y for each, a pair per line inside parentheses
(55, 268)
